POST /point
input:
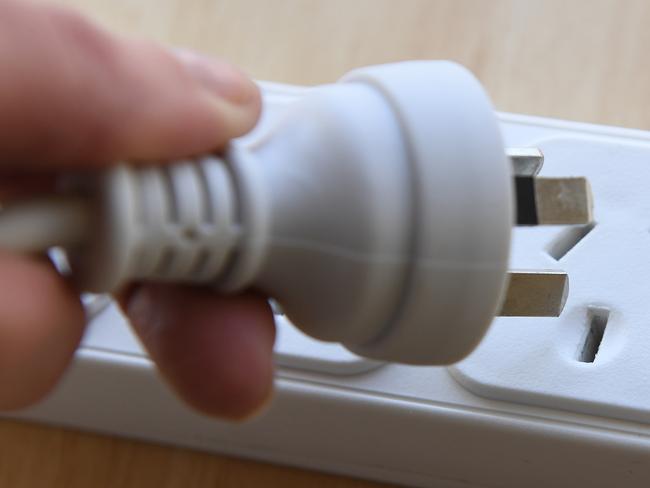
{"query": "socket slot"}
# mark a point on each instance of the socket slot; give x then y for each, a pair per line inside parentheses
(598, 318)
(568, 239)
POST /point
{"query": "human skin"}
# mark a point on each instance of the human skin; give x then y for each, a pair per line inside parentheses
(76, 97)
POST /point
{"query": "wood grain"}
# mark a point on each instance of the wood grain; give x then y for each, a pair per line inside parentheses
(583, 60)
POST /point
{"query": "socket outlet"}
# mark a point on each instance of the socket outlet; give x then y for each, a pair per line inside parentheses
(593, 358)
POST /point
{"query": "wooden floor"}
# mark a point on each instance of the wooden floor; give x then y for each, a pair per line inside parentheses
(575, 59)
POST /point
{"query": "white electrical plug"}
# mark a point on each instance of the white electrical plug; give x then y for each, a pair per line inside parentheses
(377, 212)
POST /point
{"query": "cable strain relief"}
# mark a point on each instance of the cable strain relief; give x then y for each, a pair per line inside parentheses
(176, 223)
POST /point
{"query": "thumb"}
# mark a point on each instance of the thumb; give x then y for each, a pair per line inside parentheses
(72, 94)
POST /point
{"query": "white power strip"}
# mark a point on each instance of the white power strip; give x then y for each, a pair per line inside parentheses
(542, 402)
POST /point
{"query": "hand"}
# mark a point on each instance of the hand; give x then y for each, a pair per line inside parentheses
(75, 96)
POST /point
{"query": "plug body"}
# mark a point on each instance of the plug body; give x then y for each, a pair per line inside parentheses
(377, 213)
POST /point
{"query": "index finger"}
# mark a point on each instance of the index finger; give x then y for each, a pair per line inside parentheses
(72, 94)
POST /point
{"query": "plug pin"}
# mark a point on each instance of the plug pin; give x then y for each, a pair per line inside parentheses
(562, 201)
(526, 161)
(535, 294)
(548, 201)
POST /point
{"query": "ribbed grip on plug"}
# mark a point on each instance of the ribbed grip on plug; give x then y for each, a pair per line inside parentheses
(175, 223)
(187, 221)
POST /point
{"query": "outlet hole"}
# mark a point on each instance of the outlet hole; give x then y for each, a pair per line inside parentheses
(598, 318)
(568, 239)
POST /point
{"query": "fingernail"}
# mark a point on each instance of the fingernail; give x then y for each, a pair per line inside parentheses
(218, 77)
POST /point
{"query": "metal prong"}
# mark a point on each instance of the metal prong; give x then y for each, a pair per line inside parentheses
(563, 201)
(553, 201)
(526, 161)
(535, 294)
(547, 201)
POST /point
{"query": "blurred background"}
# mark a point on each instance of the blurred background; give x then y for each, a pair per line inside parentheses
(585, 60)
(575, 59)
